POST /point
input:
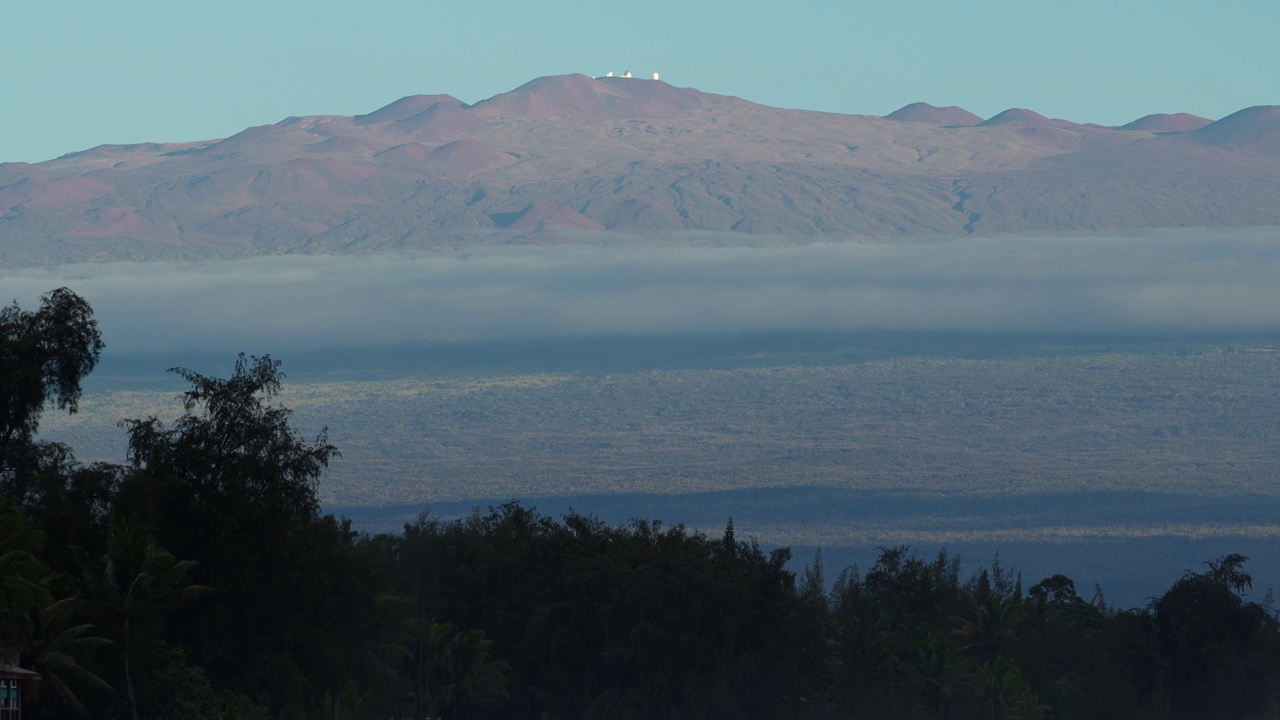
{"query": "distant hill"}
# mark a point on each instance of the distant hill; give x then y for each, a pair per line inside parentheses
(564, 156)
(579, 97)
(926, 113)
(1160, 122)
(1022, 116)
(1255, 130)
(406, 107)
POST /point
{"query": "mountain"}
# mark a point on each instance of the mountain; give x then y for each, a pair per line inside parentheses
(1254, 130)
(926, 113)
(1022, 116)
(1160, 122)
(406, 107)
(578, 97)
(567, 156)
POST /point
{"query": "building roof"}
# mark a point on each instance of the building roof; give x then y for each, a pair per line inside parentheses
(13, 672)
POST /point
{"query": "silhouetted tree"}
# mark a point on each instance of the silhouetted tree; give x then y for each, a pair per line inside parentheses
(54, 643)
(134, 582)
(1220, 654)
(44, 354)
(231, 483)
(945, 673)
(987, 635)
(22, 590)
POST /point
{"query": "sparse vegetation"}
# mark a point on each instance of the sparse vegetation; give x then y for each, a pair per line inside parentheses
(1197, 418)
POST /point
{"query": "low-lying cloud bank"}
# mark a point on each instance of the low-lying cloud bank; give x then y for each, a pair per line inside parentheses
(1175, 282)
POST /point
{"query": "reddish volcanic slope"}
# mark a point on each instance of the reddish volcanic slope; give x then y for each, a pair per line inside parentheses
(926, 113)
(1255, 129)
(465, 157)
(11, 172)
(344, 144)
(442, 120)
(636, 156)
(405, 107)
(579, 97)
(563, 217)
(1165, 123)
(110, 221)
(52, 191)
(641, 214)
(409, 152)
(1024, 117)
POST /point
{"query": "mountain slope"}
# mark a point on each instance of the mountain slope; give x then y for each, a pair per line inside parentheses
(573, 154)
(926, 113)
(1161, 122)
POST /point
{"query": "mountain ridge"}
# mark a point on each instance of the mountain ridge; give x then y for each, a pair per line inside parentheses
(633, 156)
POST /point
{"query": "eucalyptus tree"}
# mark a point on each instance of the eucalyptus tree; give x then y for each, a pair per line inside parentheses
(44, 354)
(232, 483)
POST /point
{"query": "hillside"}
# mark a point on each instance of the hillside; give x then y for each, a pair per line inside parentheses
(561, 156)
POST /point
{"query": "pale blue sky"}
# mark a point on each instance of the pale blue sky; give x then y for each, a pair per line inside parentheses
(77, 73)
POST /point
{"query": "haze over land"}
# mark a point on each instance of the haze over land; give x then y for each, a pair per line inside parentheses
(1167, 282)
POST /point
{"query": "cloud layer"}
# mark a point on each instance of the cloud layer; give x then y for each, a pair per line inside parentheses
(1175, 282)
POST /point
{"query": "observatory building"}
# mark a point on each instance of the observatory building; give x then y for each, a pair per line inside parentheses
(626, 74)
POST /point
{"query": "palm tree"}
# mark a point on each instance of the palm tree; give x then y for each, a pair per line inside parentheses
(1020, 703)
(134, 582)
(475, 678)
(429, 649)
(1026, 706)
(458, 670)
(35, 630)
(52, 645)
(987, 635)
(21, 589)
(944, 670)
